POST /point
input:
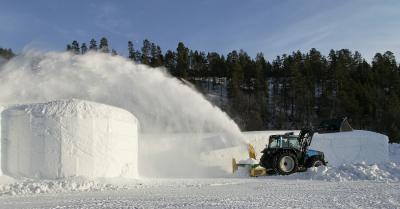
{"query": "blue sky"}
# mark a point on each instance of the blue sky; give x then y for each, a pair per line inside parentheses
(271, 27)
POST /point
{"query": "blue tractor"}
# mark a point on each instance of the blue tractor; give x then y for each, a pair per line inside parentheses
(289, 153)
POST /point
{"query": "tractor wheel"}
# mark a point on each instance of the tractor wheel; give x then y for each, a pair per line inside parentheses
(285, 163)
(316, 162)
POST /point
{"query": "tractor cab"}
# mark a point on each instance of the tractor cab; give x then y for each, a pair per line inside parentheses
(281, 142)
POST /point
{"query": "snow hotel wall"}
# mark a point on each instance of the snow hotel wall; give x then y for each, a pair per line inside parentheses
(355, 146)
(69, 138)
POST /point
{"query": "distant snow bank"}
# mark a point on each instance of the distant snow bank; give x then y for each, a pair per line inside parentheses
(67, 138)
(352, 147)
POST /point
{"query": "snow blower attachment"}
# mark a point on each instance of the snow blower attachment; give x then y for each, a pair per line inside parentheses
(250, 165)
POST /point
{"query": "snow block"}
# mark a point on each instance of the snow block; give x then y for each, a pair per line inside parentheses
(67, 138)
(352, 147)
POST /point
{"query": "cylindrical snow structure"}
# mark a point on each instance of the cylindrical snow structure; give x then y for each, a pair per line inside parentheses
(68, 138)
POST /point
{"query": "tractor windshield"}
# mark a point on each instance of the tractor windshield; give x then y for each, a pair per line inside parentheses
(284, 142)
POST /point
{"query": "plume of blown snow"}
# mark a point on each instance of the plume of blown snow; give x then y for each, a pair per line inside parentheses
(163, 105)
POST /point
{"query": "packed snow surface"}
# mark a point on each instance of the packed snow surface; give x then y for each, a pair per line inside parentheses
(66, 138)
(163, 105)
(222, 193)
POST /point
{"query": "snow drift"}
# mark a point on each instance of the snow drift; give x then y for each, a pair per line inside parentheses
(67, 138)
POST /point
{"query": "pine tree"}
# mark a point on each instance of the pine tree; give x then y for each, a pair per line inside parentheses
(156, 56)
(6, 53)
(103, 47)
(131, 51)
(93, 45)
(170, 62)
(182, 61)
(146, 52)
(261, 88)
(114, 52)
(75, 47)
(235, 74)
(83, 48)
(69, 48)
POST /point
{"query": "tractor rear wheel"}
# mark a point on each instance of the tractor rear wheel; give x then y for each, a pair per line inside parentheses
(285, 163)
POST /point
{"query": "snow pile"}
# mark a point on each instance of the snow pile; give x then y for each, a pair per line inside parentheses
(389, 171)
(162, 104)
(76, 184)
(352, 172)
(352, 147)
(69, 138)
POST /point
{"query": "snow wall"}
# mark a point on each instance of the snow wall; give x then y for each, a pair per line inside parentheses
(67, 138)
(352, 147)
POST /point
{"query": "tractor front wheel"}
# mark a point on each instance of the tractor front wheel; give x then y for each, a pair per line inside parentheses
(286, 163)
(316, 162)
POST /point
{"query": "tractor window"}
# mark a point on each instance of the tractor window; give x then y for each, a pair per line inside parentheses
(274, 143)
(294, 143)
(279, 143)
(285, 143)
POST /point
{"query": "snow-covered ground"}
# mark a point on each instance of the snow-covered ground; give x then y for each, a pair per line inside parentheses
(347, 186)
(222, 193)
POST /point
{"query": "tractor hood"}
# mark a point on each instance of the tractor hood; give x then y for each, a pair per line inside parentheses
(311, 153)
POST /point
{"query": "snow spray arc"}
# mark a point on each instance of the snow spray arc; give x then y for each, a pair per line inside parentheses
(163, 105)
